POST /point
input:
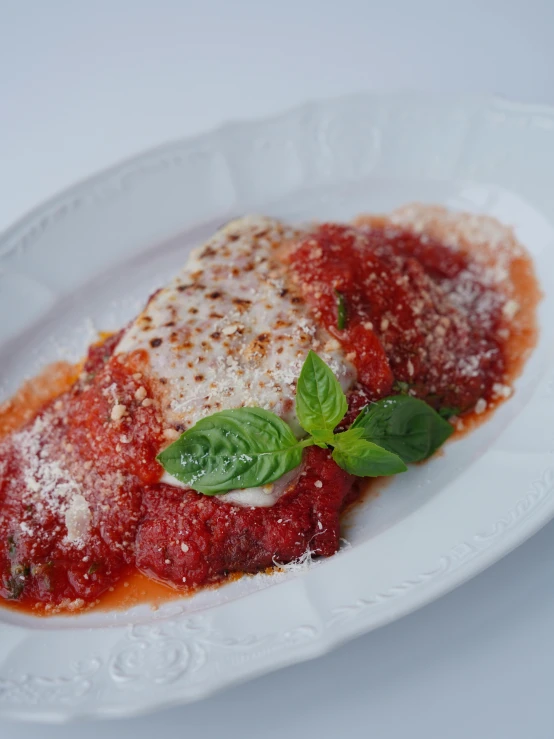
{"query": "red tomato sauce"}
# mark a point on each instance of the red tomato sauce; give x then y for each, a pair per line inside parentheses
(403, 331)
(78, 527)
(184, 532)
(81, 453)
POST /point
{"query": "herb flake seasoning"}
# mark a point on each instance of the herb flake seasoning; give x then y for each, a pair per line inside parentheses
(341, 311)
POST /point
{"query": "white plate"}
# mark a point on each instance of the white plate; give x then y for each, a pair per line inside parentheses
(96, 251)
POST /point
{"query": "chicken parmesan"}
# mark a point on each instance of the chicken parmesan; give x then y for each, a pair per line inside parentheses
(423, 306)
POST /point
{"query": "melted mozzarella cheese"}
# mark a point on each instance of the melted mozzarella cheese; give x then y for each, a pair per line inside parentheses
(263, 496)
(230, 331)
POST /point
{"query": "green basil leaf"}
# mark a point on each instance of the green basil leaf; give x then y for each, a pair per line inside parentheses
(363, 458)
(404, 425)
(233, 449)
(320, 401)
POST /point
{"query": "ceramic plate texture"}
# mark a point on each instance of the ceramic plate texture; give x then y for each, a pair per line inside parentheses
(87, 259)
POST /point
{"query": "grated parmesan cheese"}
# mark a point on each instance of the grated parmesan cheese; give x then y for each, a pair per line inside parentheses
(480, 406)
(230, 330)
(118, 411)
(77, 520)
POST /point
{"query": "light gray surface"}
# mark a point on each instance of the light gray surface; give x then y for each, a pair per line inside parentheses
(84, 84)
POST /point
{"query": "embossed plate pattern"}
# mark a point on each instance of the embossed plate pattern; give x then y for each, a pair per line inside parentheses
(87, 259)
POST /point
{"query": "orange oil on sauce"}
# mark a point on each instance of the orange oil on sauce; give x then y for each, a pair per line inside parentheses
(34, 394)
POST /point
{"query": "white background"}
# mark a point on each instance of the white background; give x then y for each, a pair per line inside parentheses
(83, 84)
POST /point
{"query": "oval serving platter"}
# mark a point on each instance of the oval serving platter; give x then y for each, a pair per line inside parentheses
(86, 260)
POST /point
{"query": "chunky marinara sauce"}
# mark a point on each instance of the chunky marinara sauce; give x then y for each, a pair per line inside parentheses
(415, 319)
(416, 316)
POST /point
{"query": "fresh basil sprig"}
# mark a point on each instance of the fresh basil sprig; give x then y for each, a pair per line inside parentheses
(249, 447)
